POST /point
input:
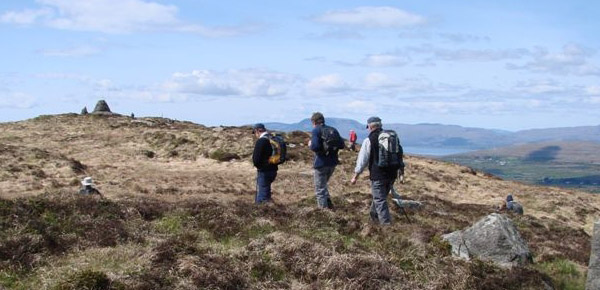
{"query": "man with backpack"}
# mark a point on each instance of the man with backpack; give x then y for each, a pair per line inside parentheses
(265, 163)
(325, 142)
(382, 153)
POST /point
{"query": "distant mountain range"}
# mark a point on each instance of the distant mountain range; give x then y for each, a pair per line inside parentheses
(453, 136)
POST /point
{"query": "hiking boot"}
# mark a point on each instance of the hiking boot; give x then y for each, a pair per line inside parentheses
(329, 204)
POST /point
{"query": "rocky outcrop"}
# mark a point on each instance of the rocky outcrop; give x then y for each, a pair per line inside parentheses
(84, 111)
(593, 275)
(493, 238)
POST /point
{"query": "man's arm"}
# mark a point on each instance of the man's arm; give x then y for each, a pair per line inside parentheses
(363, 159)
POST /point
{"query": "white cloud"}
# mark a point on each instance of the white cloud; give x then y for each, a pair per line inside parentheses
(372, 17)
(337, 35)
(78, 51)
(25, 17)
(385, 60)
(383, 84)
(473, 54)
(379, 80)
(573, 59)
(16, 100)
(332, 83)
(219, 31)
(360, 107)
(592, 90)
(110, 16)
(593, 100)
(243, 83)
(462, 37)
(540, 87)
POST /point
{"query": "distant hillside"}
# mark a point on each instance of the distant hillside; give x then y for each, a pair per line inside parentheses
(453, 136)
(583, 133)
(562, 151)
(566, 164)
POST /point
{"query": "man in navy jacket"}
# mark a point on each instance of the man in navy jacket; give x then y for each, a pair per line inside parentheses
(266, 172)
(325, 160)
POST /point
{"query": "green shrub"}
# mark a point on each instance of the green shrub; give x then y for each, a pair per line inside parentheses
(88, 279)
(564, 274)
(170, 224)
(222, 155)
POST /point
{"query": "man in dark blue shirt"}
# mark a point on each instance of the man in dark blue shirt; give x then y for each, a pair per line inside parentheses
(266, 172)
(325, 142)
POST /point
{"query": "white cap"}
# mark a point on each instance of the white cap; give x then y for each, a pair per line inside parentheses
(87, 181)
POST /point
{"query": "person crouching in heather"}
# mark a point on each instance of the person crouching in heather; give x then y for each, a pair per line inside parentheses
(266, 172)
(510, 205)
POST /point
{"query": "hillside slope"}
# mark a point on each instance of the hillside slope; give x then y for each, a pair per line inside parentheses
(174, 217)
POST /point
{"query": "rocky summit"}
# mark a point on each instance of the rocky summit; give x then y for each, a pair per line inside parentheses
(177, 212)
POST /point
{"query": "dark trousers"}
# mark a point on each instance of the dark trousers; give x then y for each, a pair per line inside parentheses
(263, 185)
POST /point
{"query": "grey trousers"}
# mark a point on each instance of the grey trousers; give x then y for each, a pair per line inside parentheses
(379, 206)
(322, 176)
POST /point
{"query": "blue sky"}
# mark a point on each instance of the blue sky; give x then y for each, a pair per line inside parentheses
(507, 65)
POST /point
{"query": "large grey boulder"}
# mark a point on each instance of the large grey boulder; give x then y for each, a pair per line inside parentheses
(493, 238)
(593, 275)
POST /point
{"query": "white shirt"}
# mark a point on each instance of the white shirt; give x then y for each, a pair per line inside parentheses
(362, 161)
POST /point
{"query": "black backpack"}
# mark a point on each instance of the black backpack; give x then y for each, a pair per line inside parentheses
(279, 153)
(331, 139)
(390, 151)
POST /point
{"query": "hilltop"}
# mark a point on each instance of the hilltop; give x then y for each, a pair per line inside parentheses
(178, 214)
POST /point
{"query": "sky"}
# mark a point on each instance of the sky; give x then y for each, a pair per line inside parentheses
(509, 65)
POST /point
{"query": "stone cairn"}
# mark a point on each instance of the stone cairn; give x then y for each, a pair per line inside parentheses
(102, 108)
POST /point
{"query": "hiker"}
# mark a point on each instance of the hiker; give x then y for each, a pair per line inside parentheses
(88, 187)
(325, 142)
(512, 206)
(352, 140)
(266, 172)
(383, 170)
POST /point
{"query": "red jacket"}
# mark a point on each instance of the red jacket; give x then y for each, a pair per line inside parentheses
(353, 136)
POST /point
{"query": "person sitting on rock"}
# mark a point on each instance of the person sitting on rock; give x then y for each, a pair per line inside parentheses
(88, 187)
(512, 206)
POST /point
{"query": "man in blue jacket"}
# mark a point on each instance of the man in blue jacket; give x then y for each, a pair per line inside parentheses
(325, 142)
(266, 172)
